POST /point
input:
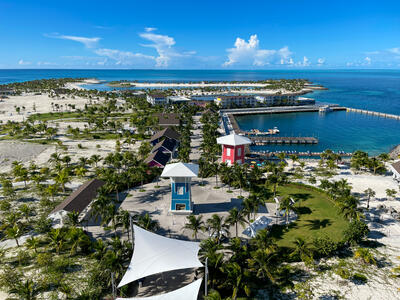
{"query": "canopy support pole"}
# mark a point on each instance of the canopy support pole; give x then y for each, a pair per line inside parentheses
(206, 277)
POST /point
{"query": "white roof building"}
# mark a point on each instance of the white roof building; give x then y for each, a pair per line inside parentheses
(180, 170)
(233, 140)
(155, 254)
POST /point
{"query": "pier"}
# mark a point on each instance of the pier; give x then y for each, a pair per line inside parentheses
(256, 154)
(265, 140)
(373, 113)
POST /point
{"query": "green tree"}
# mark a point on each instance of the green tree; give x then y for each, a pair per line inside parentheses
(369, 193)
(194, 224)
(234, 218)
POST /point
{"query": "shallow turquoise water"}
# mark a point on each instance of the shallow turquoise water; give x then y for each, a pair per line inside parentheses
(346, 131)
(377, 90)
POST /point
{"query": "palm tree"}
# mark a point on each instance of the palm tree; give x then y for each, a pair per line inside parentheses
(57, 239)
(213, 295)
(216, 226)
(235, 217)
(301, 250)
(286, 205)
(369, 193)
(95, 159)
(263, 263)
(72, 218)
(14, 232)
(147, 223)
(235, 278)
(349, 207)
(210, 249)
(264, 240)
(32, 243)
(391, 193)
(194, 224)
(124, 218)
(63, 178)
(51, 190)
(27, 290)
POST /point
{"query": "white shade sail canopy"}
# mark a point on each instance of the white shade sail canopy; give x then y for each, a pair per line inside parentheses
(180, 170)
(260, 223)
(233, 140)
(155, 254)
(188, 292)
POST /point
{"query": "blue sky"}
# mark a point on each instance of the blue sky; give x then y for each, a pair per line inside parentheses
(200, 34)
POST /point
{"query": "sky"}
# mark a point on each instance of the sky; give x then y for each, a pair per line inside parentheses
(204, 34)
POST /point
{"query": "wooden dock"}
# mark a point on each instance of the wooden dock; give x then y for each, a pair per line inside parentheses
(373, 113)
(265, 140)
(302, 154)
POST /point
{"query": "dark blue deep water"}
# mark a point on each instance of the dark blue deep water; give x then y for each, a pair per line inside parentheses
(377, 90)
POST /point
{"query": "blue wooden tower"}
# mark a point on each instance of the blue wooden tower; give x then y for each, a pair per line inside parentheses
(181, 175)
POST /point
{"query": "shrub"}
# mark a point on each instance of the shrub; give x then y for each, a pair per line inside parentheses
(5, 205)
(23, 258)
(343, 272)
(43, 224)
(355, 232)
(44, 259)
(359, 278)
(9, 277)
(325, 246)
(365, 256)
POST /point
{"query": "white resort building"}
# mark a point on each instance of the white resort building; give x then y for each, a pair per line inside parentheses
(156, 99)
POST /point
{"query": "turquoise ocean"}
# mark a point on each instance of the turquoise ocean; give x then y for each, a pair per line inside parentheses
(377, 90)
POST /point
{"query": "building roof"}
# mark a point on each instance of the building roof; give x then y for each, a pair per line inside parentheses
(235, 96)
(81, 197)
(156, 95)
(168, 119)
(180, 170)
(155, 254)
(158, 157)
(396, 166)
(178, 98)
(233, 140)
(167, 144)
(167, 132)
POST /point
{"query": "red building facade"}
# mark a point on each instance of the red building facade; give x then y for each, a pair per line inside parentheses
(233, 148)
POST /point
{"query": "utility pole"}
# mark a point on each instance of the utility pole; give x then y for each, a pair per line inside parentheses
(206, 277)
(113, 285)
(131, 223)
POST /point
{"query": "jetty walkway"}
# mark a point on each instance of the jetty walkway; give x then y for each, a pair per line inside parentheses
(301, 154)
(264, 140)
(373, 113)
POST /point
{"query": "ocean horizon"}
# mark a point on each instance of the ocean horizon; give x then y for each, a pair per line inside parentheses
(376, 90)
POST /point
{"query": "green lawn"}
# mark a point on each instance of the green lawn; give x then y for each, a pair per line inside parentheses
(317, 215)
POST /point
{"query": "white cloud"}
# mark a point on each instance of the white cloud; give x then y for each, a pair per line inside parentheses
(320, 61)
(122, 56)
(164, 45)
(46, 63)
(150, 29)
(249, 54)
(394, 50)
(21, 62)
(88, 42)
(367, 60)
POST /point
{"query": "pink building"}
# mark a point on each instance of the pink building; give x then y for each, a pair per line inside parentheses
(233, 148)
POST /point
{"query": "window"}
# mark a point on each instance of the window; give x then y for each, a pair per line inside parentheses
(239, 151)
(228, 151)
(180, 206)
(180, 189)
